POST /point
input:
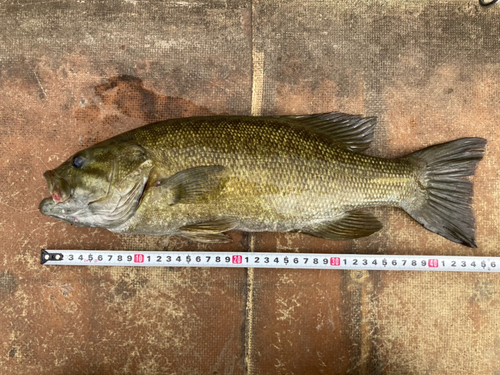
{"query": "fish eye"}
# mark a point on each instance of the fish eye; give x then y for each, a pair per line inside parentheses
(78, 161)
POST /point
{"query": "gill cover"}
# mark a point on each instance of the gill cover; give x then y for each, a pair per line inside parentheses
(127, 181)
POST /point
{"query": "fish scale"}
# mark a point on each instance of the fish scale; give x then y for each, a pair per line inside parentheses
(345, 183)
(199, 177)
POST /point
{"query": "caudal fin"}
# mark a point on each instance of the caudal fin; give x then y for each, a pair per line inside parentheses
(442, 202)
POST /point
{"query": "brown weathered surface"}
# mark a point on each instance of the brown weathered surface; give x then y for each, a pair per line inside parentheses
(75, 73)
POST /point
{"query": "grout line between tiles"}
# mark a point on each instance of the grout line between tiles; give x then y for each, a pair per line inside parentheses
(257, 80)
(257, 70)
(249, 311)
(256, 110)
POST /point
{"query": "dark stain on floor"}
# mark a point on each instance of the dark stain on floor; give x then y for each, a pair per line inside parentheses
(132, 99)
(8, 284)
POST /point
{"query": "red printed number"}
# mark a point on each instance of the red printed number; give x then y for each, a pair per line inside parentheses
(434, 263)
(237, 259)
(334, 261)
(138, 258)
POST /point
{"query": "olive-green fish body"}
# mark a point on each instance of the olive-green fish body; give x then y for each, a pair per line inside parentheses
(200, 177)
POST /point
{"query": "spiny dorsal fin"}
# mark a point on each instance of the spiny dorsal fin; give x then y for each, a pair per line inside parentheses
(192, 184)
(352, 131)
(354, 224)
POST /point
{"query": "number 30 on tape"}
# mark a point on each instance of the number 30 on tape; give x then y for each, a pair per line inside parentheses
(269, 260)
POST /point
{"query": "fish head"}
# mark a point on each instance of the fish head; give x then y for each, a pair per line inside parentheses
(98, 187)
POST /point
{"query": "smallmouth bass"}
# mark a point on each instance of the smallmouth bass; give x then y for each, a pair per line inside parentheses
(200, 177)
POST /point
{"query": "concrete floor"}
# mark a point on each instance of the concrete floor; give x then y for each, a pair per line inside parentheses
(76, 72)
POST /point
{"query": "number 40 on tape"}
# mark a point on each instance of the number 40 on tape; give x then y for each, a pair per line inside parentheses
(269, 260)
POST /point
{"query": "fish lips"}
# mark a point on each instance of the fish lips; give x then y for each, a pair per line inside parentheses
(58, 187)
(60, 192)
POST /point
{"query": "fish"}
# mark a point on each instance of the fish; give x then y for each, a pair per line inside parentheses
(201, 177)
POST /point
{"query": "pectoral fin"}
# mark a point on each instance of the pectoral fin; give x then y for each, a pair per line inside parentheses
(209, 231)
(193, 184)
(354, 224)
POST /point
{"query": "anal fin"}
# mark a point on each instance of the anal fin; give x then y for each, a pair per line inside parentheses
(353, 224)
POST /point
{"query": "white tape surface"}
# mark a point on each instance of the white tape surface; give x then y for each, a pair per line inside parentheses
(270, 260)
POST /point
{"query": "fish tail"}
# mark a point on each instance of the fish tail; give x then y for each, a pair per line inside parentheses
(442, 193)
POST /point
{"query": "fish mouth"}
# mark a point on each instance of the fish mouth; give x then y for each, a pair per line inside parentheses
(60, 192)
(58, 187)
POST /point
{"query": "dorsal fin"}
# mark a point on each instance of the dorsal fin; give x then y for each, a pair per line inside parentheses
(352, 131)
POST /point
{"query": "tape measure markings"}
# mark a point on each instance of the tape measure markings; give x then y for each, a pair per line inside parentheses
(270, 260)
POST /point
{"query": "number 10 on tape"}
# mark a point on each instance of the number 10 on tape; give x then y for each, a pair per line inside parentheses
(269, 260)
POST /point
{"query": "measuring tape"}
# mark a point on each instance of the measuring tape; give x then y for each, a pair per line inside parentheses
(270, 260)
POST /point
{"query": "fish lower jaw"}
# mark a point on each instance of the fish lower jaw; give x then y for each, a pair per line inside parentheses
(45, 206)
(54, 210)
